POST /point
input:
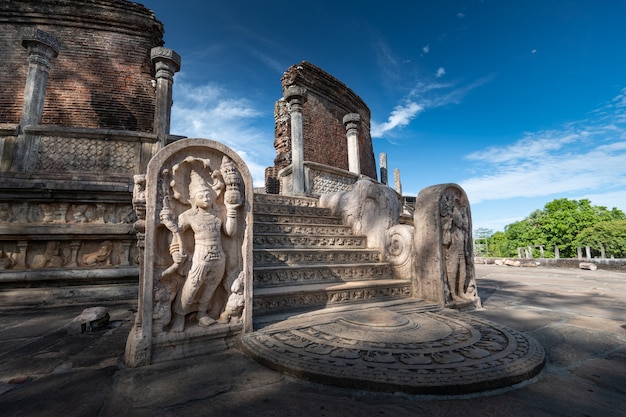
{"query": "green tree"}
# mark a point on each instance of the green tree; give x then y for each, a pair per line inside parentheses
(498, 245)
(610, 234)
(522, 234)
(559, 224)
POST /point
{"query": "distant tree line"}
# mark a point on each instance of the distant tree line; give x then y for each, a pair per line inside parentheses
(568, 224)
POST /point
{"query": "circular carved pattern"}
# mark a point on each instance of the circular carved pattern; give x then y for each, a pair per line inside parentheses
(440, 352)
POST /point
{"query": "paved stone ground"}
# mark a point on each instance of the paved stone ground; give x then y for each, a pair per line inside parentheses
(578, 316)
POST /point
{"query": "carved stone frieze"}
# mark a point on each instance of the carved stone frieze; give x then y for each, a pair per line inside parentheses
(291, 210)
(63, 154)
(281, 199)
(302, 229)
(326, 182)
(277, 257)
(307, 275)
(53, 254)
(307, 241)
(272, 218)
(274, 303)
(66, 213)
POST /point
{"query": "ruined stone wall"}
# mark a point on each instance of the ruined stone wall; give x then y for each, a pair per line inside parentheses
(103, 75)
(327, 101)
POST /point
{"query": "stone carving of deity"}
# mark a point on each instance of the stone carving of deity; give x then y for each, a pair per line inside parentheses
(203, 269)
(455, 245)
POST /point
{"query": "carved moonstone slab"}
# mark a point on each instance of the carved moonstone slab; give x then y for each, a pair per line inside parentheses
(412, 347)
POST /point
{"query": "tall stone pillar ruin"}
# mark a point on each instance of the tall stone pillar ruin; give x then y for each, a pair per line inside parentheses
(166, 64)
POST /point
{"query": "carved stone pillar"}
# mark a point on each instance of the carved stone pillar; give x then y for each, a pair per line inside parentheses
(351, 122)
(42, 47)
(166, 63)
(383, 167)
(295, 96)
(397, 184)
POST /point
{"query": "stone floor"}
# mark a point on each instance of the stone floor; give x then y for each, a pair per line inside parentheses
(578, 316)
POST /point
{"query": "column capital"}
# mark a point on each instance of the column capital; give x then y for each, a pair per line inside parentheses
(37, 36)
(351, 120)
(42, 46)
(165, 59)
(295, 94)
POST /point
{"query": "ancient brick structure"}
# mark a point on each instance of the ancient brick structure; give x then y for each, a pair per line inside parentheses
(86, 99)
(325, 103)
(102, 75)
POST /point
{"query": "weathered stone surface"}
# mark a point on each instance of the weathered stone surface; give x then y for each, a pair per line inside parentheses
(91, 319)
(195, 223)
(588, 266)
(405, 347)
(511, 262)
(369, 208)
(444, 263)
(34, 343)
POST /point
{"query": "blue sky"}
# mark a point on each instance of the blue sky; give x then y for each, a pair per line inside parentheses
(518, 101)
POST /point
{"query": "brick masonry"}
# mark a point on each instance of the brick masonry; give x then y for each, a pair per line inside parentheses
(328, 100)
(102, 76)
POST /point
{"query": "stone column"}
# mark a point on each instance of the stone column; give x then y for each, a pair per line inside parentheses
(351, 122)
(42, 47)
(557, 253)
(166, 63)
(588, 252)
(383, 167)
(397, 184)
(295, 96)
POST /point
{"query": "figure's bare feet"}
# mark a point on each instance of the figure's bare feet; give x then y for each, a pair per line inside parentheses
(204, 319)
(178, 325)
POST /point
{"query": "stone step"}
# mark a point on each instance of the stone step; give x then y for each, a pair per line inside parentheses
(285, 200)
(279, 209)
(288, 275)
(302, 297)
(302, 229)
(319, 242)
(296, 219)
(295, 257)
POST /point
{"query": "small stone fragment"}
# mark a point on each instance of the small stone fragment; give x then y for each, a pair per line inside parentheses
(91, 319)
(588, 266)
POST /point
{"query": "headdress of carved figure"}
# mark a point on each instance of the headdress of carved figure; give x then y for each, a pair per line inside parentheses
(197, 184)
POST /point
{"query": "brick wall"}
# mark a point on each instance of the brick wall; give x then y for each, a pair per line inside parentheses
(328, 100)
(102, 76)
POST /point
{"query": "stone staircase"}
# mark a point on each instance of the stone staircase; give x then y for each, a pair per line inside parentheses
(306, 259)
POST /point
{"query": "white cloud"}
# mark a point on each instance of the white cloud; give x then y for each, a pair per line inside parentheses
(460, 15)
(441, 71)
(584, 157)
(425, 95)
(399, 117)
(210, 111)
(426, 49)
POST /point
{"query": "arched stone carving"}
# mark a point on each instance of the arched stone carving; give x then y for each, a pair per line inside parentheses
(444, 262)
(196, 272)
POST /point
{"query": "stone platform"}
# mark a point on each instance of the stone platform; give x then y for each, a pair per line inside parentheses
(577, 316)
(402, 346)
